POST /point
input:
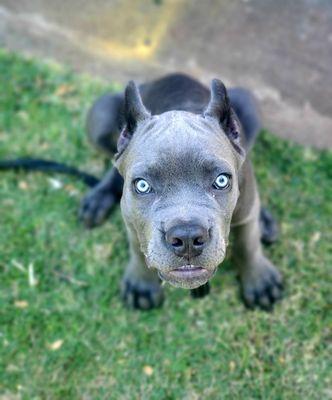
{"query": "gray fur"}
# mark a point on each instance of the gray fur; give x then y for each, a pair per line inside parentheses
(179, 149)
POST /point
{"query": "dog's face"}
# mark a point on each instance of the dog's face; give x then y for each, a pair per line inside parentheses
(180, 187)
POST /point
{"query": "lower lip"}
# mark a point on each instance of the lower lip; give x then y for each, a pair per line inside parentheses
(187, 277)
(188, 272)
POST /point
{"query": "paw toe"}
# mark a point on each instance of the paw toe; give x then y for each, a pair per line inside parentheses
(95, 209)
(264, 295)
(142, 298)
(201, 291)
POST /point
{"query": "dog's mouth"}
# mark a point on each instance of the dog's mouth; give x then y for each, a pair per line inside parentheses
(187, 276)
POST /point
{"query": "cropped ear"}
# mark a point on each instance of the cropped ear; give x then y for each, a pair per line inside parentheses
(220, 108)
(134, 112)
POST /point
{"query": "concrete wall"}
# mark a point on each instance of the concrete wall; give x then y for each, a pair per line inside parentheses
(282, 50)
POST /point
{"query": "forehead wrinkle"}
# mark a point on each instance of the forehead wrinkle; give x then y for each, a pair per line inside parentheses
(186, 125)
(173, 132)
(210, 164)
(179, 164)
(174, 127)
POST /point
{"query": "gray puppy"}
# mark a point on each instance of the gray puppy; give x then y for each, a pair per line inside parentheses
(182, 151)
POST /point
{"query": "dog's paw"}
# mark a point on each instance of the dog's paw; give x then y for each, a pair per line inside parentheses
(96, 207)
(262, 286)
(142, 295)
(269, 227)
(201, 291)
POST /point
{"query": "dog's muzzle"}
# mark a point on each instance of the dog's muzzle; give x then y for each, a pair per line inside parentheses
(190, 254)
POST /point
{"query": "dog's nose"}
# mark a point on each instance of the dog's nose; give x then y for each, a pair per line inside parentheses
(187, 240)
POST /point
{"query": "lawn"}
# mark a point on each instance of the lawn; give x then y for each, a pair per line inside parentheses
(64, 333)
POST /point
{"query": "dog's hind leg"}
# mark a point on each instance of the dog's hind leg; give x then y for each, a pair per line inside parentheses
(201, 291)
(97, 205)
(268, 226)
(246, 108)
(103, 125)
(104, 122)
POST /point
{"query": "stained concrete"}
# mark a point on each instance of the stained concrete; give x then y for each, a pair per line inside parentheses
(282, 50)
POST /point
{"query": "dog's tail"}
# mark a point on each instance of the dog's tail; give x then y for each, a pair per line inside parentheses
(246, 108)
(37, 164)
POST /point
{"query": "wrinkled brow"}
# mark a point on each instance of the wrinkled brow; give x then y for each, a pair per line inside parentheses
(210, 164)
(181, 164)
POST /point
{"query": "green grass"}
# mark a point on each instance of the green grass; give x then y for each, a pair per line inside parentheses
(68, 336)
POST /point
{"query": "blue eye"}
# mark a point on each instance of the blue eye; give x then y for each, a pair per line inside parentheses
(142, 186)
(222, 181)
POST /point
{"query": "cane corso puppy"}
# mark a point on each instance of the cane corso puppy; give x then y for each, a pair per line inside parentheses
(182, 166)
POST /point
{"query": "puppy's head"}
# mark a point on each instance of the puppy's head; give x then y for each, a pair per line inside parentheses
(181, 186)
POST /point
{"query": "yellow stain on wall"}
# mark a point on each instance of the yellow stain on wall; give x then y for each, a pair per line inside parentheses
(136, 33)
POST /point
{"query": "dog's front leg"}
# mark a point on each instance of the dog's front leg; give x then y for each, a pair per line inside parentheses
(141, 286)
(261, 282)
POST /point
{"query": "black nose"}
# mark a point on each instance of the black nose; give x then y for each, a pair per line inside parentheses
(187, 240)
